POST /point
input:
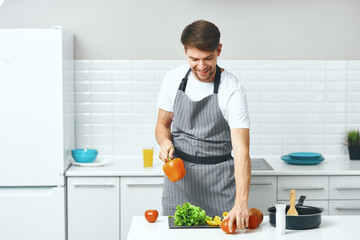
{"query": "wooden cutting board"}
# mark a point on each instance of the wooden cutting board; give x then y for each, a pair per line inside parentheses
(173, 226)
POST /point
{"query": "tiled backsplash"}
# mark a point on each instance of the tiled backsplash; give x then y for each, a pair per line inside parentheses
(294, 105)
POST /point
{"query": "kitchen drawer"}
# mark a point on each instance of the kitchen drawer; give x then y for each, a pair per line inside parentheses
(137, 195)
(262, 193)
(348, 207)
(315, 203)
(313, 187)
(344, 187)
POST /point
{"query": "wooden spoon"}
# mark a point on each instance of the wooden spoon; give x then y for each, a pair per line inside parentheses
(292, 209)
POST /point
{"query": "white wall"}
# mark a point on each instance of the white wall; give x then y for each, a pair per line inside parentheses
(150, 29)
(304, 100)
(293, 105)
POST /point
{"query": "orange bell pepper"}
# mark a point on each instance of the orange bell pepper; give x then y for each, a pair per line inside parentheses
(174, 169)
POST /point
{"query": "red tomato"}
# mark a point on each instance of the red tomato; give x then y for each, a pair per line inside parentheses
(253, 221)
(257, 213)
(225, 226)
(151, 215)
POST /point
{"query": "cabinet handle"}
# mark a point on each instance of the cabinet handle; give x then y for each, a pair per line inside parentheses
(144, 184)
(305, 188)
(256, 184)
(94, 184)
(347, 188)
(347, 208)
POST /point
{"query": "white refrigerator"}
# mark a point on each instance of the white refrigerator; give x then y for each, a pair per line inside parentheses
(36, 131)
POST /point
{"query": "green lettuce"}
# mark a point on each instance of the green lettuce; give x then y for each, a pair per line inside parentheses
(188, 214)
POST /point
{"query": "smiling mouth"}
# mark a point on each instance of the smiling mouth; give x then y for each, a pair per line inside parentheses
(203, 72)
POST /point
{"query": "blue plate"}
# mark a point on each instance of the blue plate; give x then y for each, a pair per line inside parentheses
(306, 159)
(289, 160)
(305, 155)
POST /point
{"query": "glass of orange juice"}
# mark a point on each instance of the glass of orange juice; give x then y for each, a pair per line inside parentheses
(148, 152)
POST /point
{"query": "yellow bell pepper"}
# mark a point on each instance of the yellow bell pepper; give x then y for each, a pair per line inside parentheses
(216, 221)
(225, 214)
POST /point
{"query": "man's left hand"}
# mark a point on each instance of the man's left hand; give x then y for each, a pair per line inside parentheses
(239, 215)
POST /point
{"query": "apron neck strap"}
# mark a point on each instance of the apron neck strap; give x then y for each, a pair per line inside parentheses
(183, 83)
(217, 79)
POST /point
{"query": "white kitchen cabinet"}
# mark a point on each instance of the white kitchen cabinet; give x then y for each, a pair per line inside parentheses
(344, 207)
(262, 193)
(105, 212)
(137, 195)
(344, 187)
(313, 187)
(344, 195)
(93, 208)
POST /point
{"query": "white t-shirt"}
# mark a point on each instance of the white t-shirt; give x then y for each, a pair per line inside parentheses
(231, 95)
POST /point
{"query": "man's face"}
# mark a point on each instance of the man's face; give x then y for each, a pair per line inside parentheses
(203, 63)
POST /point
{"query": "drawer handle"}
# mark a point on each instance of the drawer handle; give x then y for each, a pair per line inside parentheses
(315, 188)
(144, 184)
(347, 188)
(94, 184)
(347, 208)
(260, 184)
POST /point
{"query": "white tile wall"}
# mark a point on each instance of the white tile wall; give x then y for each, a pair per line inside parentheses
(294, 105)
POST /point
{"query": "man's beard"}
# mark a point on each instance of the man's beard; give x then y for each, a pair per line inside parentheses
(204, 78)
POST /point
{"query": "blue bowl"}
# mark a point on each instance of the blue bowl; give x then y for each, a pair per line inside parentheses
(84, 155)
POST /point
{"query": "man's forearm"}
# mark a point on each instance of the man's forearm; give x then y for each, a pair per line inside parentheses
(242, 172)
(241, 141)
(163, 126)
(162, 134)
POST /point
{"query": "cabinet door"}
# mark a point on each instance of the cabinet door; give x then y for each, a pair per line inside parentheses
(344, 187)
(93, 208)
(262, 193)
(349, 207)
(137, 195)
(313, 187)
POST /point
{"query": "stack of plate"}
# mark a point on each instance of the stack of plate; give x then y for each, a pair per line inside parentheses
(303, 158)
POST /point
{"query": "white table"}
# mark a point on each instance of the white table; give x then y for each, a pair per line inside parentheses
(332, 227)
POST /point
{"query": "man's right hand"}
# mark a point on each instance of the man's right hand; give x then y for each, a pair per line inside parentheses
(166, 149)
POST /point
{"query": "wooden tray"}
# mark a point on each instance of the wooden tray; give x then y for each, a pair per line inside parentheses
(173, 226)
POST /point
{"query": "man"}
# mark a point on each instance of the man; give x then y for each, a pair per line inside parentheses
(202, 117)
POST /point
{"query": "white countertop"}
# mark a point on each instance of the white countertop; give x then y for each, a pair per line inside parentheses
(331, 227)
(133, 166)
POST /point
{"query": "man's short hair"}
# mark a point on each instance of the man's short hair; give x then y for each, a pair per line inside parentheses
(202, 35)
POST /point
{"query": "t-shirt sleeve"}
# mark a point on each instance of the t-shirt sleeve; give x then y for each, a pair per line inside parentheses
(237, 109)
(165, 101)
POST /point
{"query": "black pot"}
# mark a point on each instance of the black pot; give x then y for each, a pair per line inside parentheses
(354, 153)
(309, 217)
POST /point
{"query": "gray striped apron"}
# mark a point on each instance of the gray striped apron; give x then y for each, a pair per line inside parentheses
(201, 137)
